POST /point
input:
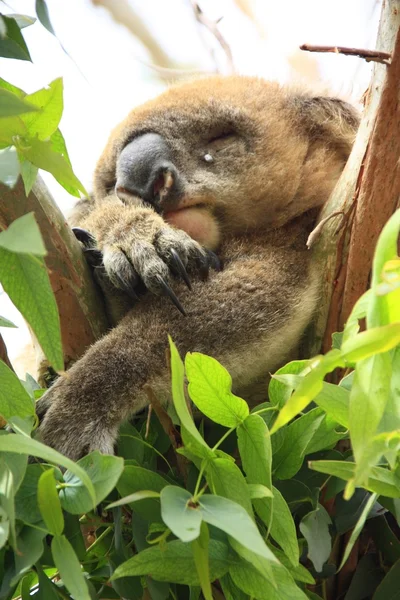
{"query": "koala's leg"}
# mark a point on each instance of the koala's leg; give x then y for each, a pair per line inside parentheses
(248, 316)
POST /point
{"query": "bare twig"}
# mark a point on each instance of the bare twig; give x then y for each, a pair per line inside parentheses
(213, 29)
(368, 55)
(316, 232)
(169, 428)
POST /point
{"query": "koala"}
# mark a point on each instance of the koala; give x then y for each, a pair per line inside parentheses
(203, 201)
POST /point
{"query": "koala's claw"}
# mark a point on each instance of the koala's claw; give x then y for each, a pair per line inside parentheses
(84, 236)
(168, 291)
(179, 267)
(93, 257)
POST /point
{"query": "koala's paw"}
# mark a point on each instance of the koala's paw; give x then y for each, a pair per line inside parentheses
(150, 253)
(70, 432)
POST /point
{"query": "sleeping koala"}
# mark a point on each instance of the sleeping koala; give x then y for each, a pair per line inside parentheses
(235, 166)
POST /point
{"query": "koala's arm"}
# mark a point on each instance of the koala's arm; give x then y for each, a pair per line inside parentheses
(248, 316)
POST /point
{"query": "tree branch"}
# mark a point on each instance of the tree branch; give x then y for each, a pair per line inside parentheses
(212, 27)
(351, 195)
(368, 55)
(79, 304)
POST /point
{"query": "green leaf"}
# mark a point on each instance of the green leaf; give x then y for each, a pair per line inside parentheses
(200, 553)
(104, 471)
(7, 502)
(43, 15)
(9, 167)
(235, 521)
(23, 236)
(277, 517)
(368, 397)
(49, 101)
(388, 589)
(249, 579)
(28, 173)
(289, 458)
(371, 342)
(133, 498)
(30, 549)
(197, 445)
(256, 490)
(68, 565)
(315, 528)
(359, 311)
(47, 589)
(11, 104)
(20, 444)
(22, 20)
(334, 400)
(308, 389)
(278, 392)
(24, 278)
(14, 400)
(6, 323)
(175, 563)
(180, 513)
(13, 45)
(137, 479)
(384, 309)
(358, 528)
(49, 503)
(210, 388)
(298, 572)
(226, 479)
(43, 155)
(255, 450)
(230, 590)
(380, 480)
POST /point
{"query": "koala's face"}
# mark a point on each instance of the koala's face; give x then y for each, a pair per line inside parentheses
(215, 154)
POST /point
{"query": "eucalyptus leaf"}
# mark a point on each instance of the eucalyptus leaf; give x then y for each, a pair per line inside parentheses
(6, 323)
(14, 400)
(11, 104)
(68, 565)
(210, 388)
(175, 563)
(235, 521)
(180, 513)
(24, 278)
(13, 45)
(49, 503)
(315, 528)
(23, 236)
(9, 165)
(20, 444)
(104, 471)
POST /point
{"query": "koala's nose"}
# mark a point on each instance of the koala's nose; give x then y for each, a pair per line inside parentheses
(145, 169)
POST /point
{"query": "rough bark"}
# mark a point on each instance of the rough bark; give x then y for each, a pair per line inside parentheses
(367, 193)
(80, 306)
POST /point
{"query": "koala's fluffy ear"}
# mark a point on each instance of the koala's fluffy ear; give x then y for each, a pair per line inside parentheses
(330, 120)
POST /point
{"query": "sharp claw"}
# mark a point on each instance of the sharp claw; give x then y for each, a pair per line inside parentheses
(93, 256)
(84, 236)
(167, 290)
(203, 265)
(180, 268)
(214, 261)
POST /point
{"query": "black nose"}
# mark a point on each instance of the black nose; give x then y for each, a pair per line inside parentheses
(145, 169)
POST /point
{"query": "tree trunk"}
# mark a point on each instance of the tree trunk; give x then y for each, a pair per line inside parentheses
(80, 306)
(367, 193)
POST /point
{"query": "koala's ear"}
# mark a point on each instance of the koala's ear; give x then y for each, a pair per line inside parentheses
(329, 120)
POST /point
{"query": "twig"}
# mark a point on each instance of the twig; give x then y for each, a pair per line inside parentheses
(168, 426)
(368, 55)
(213, 29)
(316, 232)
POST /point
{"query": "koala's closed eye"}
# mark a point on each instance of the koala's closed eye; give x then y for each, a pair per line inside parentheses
(222, 141)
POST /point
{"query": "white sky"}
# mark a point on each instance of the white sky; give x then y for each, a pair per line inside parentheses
(116, 79)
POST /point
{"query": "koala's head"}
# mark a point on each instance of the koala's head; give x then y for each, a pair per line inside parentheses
(232, 154)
